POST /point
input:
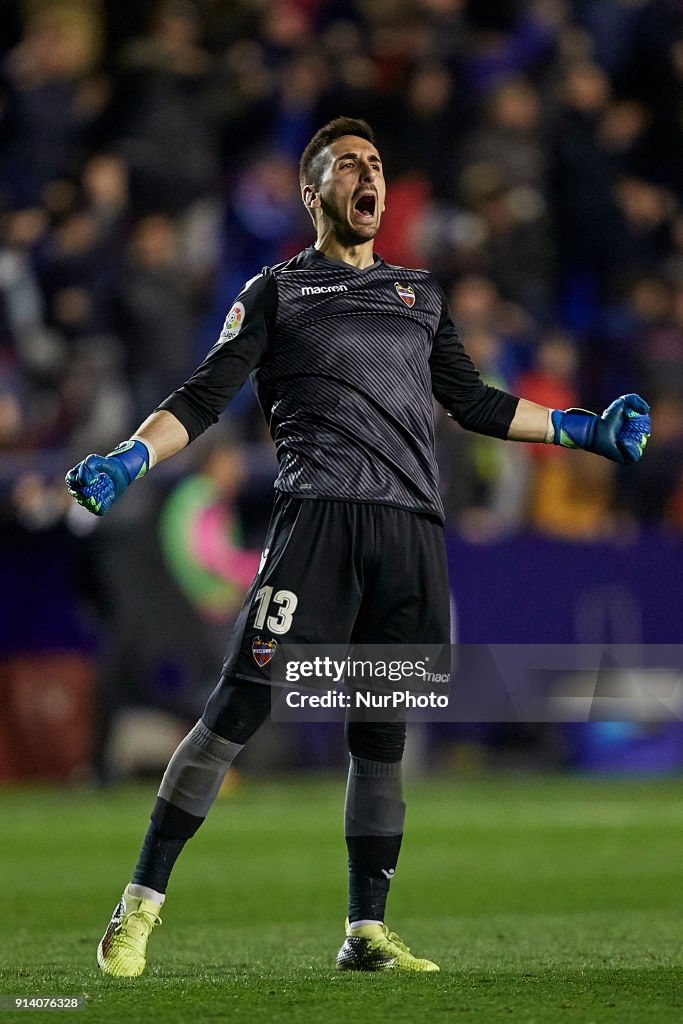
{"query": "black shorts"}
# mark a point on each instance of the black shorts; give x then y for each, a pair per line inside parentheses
(339, 572)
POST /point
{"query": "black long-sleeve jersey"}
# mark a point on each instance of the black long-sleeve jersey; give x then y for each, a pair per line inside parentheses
(344, 363)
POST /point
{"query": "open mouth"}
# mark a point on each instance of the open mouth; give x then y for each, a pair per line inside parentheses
(365, 205)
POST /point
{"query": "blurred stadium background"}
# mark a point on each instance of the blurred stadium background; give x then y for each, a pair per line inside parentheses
(148, 157)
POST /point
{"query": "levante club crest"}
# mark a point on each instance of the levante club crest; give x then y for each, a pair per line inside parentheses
(263, 650)
(405, 294)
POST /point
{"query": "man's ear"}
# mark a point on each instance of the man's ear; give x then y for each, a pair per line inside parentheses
(311, 197)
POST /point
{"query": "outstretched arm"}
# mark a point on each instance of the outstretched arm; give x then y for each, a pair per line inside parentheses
(620, 434)
(99, 480)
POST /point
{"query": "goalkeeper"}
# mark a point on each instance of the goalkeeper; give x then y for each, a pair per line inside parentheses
(345, 353)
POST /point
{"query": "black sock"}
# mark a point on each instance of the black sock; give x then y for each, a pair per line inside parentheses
(372, 862)
(168, 831)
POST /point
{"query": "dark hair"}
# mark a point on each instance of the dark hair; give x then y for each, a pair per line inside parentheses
(325, 136)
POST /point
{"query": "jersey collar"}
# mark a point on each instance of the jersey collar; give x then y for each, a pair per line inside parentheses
(321, 258)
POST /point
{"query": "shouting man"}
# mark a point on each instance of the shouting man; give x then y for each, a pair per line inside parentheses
(345, 353)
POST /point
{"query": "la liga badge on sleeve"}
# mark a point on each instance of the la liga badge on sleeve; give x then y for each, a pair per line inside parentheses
(233, 322)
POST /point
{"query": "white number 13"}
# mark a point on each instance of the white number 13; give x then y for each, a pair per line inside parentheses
(282, 621)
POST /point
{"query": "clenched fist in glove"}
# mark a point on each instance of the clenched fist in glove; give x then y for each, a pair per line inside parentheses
(620, 434)
(99, 480)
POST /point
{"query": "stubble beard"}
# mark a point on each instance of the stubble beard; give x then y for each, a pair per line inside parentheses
(345, 233)
(349, 236)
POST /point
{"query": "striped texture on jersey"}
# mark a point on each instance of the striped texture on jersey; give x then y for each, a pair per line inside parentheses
(344, 369)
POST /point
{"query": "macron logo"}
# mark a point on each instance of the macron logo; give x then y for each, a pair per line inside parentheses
(323, 289)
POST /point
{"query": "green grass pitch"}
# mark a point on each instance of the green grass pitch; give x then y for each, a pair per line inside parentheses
(545, 900)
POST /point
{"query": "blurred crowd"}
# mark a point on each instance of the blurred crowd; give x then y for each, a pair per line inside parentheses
(148, 167)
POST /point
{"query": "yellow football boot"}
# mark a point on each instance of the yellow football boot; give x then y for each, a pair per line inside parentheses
(122, 950)
(374, 948)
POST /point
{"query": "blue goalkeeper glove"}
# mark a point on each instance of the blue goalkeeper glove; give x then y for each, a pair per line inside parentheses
(99, 480)
(620, 434)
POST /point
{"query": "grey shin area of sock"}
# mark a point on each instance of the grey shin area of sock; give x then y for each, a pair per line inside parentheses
(374, 798)
(197, 769)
